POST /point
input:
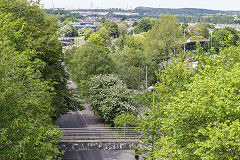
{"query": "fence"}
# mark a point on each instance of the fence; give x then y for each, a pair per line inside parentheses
(97, 133)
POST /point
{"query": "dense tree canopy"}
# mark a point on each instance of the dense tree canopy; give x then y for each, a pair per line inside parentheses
(111, 27)
(131, 67)
(33, 89)
(69, 31)
(89, 60)
(145, 25)
(197, 113)
(163, 39)
(222, 34)
(27, 130)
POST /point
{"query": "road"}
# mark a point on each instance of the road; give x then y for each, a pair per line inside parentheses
(87, 119)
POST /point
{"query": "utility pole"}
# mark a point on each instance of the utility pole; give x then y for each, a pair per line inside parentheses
(184, 41)
(92, 5)
(211, 32)
(53, 4)
(146, 78)
(174, 43)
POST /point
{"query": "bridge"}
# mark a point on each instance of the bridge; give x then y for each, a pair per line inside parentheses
(99, 138)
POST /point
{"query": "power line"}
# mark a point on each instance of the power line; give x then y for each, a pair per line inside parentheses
(53, 4)
(92, 5)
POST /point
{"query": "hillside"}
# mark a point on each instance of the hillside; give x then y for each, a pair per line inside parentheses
(181, 11)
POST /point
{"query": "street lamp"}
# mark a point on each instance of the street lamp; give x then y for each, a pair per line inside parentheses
(151, 88)
(211, 31)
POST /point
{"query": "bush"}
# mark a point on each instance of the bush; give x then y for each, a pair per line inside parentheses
(109, 97)
(126, 119)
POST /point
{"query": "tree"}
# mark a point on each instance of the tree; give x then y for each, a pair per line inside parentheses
(128, 120)
(131, 66)
(40, 34)
(69, 31)
(96, 39)
(171, 81)
(197, 113)
(220, 35)
(123, 28)
(131, 41)
(163, 39)
(87, 61)
(109, 97)
(111, 27)
(27, 130)
(145, 25)
(33, 89)
(201, 30)
(82, 31)
(87, 33)
(104, 33)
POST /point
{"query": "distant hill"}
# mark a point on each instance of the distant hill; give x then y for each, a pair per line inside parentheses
(182, 11)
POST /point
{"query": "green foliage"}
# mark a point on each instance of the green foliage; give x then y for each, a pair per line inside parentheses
(112, 28)
(128, 120)
(87, 61)
(197, 37)
(130, 41)
(220, 35)
(171, 81)
(69, 31)
(222, 141)
(109, 97)
(82, 31)
(87, 33)
(33, 89)
(145, 25)
(123, 28)
(196, 115)
(163, 38)
(68, 18)
(200, 30)
(65, 16)
(96, 39)
(39, 34)
(131, 66)
(104, 33)
(27, 130)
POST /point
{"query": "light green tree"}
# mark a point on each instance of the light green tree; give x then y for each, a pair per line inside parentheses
(87, 33)
(196, 114)
(109, 97)
(27, 130)
(104, 33)
(69, 31)
(163, 39)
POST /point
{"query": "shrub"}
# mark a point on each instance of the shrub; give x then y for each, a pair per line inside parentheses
(109, 97)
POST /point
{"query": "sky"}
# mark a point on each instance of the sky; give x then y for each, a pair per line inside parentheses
(131, 4)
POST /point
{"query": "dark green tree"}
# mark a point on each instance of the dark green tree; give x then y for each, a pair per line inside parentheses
(40, 31)
(145, 25)
(112, 28)
(131, 66)
(89, 60)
